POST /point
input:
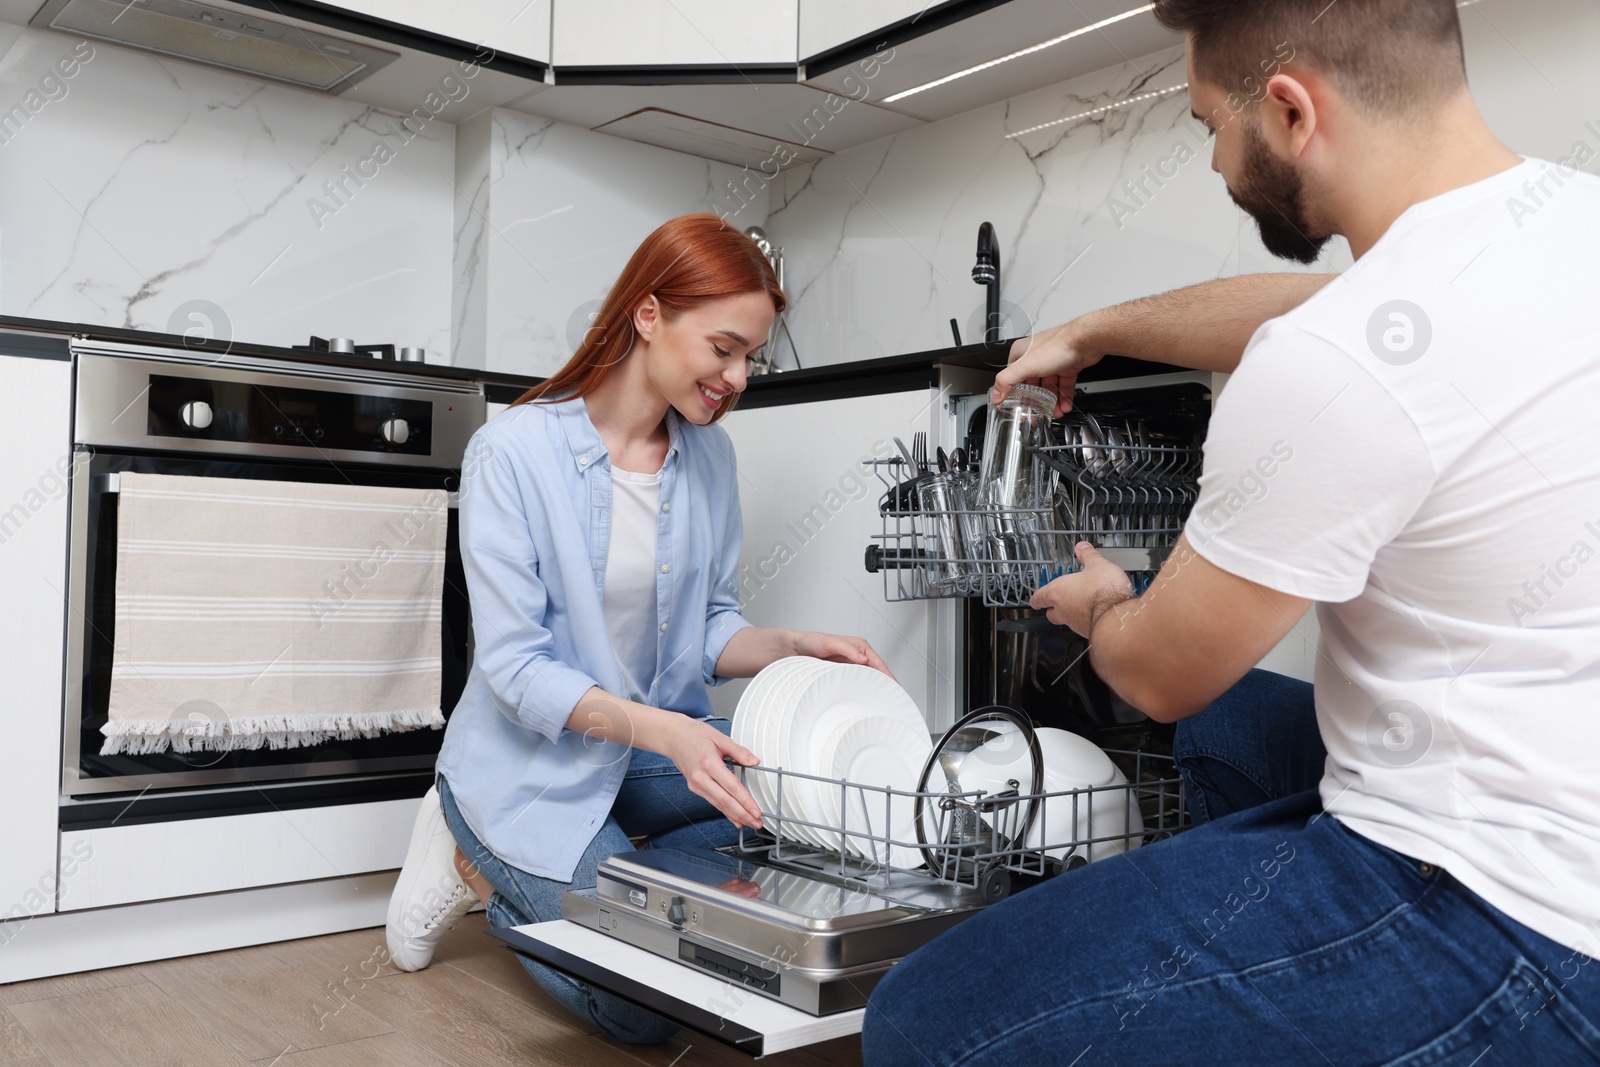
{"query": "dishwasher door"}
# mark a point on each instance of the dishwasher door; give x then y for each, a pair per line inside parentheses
(712, 1006)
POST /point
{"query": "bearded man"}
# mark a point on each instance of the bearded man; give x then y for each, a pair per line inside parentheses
(1401, 862)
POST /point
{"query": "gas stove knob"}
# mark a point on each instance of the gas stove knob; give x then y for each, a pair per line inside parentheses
(196, 414)
(396, 431)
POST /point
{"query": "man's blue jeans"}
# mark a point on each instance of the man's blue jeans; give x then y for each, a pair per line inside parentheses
(654, 801)
(1268, 935)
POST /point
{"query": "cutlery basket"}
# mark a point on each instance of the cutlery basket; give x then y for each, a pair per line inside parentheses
(1129, 500)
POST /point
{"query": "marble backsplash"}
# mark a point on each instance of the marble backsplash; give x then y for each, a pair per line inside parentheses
(1100, 190)
(157, 194)
(548, 216)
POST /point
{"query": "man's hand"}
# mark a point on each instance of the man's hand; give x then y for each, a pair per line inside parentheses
(1078, 600)
(1052, 359)
(1204, 327)
(1194, 632)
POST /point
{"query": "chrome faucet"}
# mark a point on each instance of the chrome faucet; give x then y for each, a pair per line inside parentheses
(767, 362)
(986, 272)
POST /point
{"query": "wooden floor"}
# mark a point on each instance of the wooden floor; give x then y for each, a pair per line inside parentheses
(330, 1002)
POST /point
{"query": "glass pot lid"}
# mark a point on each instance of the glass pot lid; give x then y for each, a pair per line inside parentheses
(982, 766)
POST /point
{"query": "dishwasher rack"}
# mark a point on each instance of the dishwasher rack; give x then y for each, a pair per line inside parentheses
(969, 840)
(1129, 500)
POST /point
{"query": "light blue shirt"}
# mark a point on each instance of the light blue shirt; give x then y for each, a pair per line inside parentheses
(535, 526)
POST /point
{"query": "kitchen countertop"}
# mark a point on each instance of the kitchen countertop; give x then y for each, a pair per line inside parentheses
(46, 339)
(911, 370)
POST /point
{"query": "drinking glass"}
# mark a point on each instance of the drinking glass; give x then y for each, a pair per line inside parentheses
(1016, 490)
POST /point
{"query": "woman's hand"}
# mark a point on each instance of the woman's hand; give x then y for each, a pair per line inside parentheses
(839, 650)
(753, 649)
(698, 751)
(695, 747)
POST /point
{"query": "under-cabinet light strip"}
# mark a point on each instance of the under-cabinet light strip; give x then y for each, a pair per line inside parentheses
(1102, 24)
(1101, 110)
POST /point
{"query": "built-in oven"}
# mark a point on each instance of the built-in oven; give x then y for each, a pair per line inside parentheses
(174, 412)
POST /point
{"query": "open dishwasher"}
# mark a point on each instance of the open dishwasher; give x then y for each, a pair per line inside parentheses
(777, 942)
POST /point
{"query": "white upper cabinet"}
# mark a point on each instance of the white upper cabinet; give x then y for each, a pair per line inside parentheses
(515, 27)
(826, 24)
(630, 33)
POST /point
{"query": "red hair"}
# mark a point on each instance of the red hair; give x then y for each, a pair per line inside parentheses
(685, 262)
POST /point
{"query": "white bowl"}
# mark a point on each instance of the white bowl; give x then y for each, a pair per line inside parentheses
(1104, 808)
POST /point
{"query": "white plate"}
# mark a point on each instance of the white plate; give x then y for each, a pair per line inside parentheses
(825, 741)
(846, 692)
(748, 720)
(780, 697)
(882, 751)
(746, 716)
(778, 706)
(815, 734)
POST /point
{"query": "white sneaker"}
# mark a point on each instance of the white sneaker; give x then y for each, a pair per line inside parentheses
(430, 896)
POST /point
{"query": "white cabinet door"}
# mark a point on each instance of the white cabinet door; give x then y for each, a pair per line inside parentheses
(114, 865)
(515, 27)
(826, 24)
(810, 503)
(36, 440)
(620, 33)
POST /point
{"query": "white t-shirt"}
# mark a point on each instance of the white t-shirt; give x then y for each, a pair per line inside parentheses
(1418, 448)
(630, 589)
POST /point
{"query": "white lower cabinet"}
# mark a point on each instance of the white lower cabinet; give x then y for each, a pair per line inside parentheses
(96, 938)
(35, 439)
(186, 857)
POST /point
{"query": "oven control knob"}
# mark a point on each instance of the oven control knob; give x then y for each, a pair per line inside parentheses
(675, 912)
(396, 431)
(196, 414)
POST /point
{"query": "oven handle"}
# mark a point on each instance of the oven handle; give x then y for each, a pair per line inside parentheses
(112, 483)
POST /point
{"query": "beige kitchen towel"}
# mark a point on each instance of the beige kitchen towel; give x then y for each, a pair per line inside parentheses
(257, 613)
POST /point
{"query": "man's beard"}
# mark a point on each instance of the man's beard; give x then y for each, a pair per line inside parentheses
(1274, 194)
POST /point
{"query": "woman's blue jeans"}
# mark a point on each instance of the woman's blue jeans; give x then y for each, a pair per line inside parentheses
(654, 801)
(1268, 935)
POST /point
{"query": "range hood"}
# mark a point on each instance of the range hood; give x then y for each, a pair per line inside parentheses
(255, 46)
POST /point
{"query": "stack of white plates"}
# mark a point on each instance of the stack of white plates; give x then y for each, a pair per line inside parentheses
(836, 720)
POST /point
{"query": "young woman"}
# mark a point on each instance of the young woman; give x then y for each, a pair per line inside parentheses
(601, 532)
